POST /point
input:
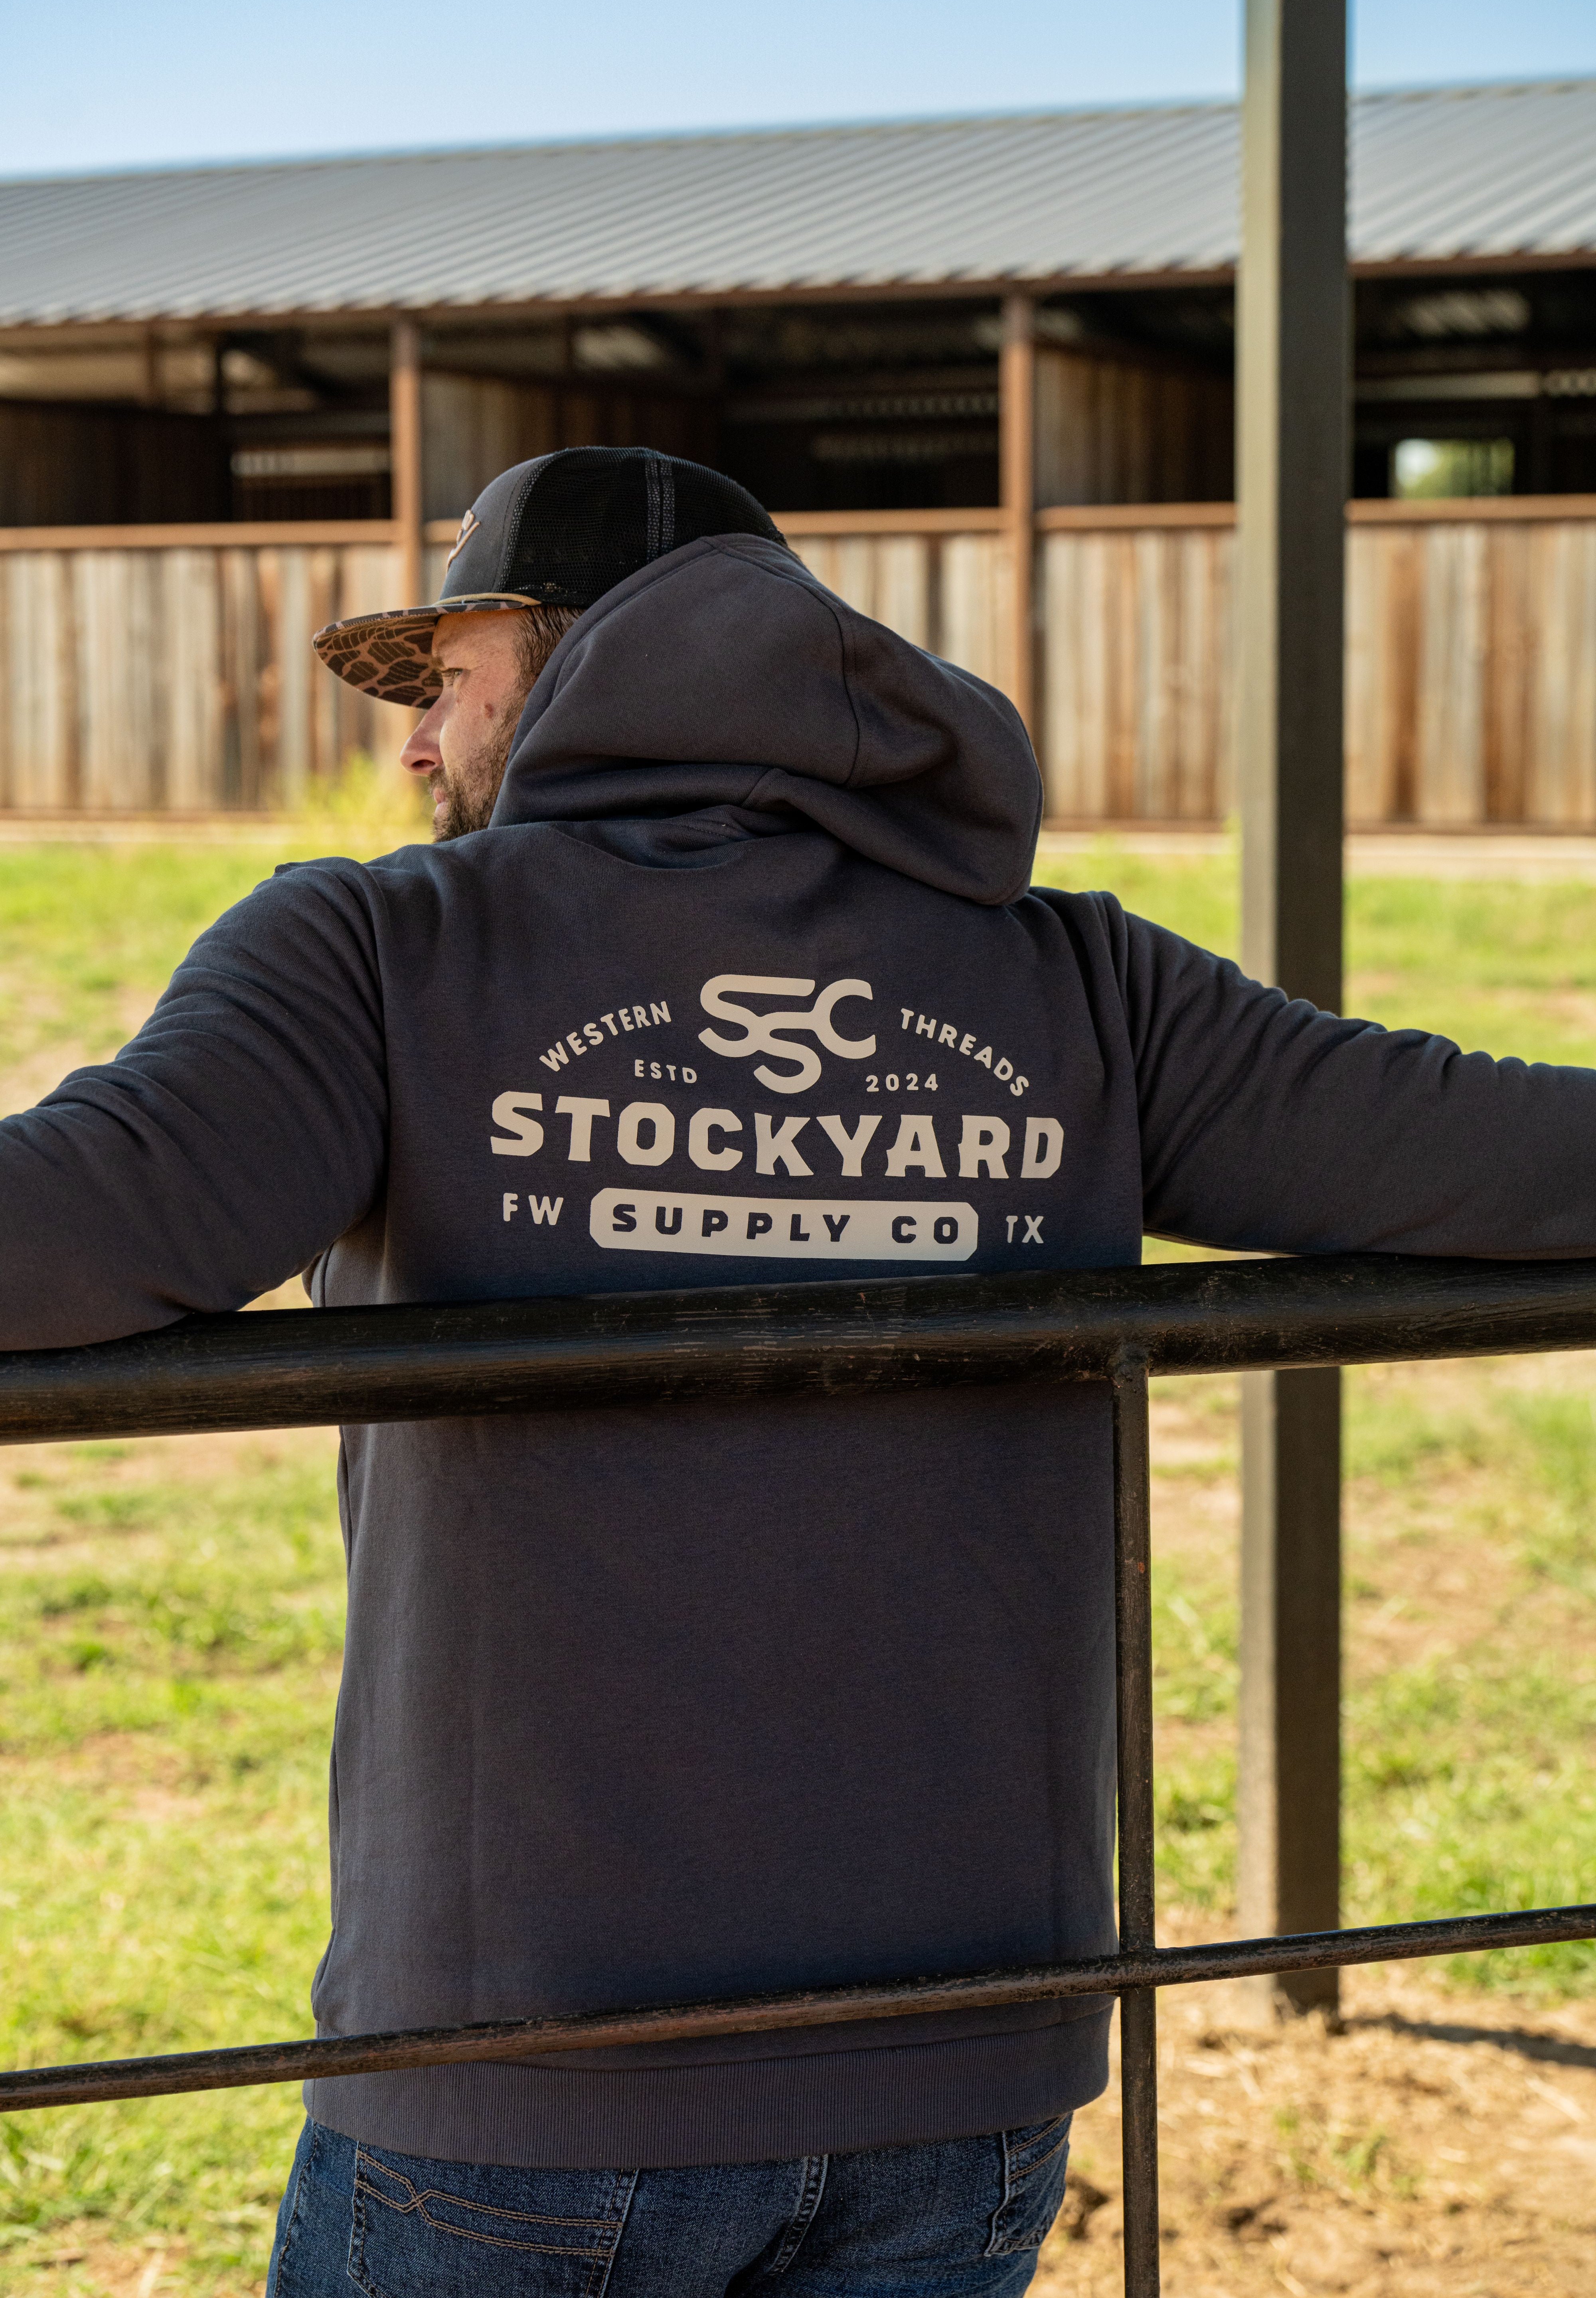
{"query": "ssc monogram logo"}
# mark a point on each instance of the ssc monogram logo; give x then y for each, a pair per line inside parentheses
(762, 1033)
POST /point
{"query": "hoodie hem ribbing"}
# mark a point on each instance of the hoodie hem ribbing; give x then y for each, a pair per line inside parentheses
(744, 2111)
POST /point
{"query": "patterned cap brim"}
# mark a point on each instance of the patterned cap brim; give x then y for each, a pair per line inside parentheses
(389, 655)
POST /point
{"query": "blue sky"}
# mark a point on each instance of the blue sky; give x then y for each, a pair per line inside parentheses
(102, 83)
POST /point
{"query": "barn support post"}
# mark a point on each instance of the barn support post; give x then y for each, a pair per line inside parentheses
(1292, 463)
(1017, 451)
(404, 447)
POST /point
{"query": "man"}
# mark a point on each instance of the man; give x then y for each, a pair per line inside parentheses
(724, 968)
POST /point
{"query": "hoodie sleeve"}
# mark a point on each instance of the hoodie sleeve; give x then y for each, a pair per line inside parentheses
(241, 1132)
(1268, 1125)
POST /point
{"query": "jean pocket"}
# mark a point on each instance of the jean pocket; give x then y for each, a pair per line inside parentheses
(1035, 2160)
(457, 2230)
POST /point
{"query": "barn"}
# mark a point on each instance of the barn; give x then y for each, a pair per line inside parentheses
(979, 369)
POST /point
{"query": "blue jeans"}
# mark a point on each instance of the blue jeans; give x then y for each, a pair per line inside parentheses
(961, 2219)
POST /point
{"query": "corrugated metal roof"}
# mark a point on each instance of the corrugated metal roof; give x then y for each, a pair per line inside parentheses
(1438, 175)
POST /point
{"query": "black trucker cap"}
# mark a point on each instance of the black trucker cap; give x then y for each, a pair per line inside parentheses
(556, 532)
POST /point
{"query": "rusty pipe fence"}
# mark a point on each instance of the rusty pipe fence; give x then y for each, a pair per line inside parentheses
(302, 1368)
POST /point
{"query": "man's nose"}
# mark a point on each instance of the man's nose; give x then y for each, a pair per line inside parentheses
(421, 754)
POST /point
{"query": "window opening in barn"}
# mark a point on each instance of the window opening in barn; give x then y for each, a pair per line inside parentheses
(1429, 470)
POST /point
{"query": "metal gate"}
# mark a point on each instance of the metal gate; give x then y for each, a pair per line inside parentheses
(302, 1368)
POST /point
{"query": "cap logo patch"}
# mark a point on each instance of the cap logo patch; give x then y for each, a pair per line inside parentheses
(469, 526)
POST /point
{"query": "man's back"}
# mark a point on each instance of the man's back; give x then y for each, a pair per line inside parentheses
(642, 1706)
(738, 1696)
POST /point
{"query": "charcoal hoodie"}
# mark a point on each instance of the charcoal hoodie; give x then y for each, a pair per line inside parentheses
(647, 1704)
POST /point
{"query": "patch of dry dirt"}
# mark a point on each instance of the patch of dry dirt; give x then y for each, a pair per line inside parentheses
(1444, 2143)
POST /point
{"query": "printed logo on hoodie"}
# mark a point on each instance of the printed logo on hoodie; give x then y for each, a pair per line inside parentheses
(762, 1032)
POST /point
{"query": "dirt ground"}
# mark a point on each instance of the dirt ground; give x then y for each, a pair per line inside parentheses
(1444, 2140)
(1442, 2143)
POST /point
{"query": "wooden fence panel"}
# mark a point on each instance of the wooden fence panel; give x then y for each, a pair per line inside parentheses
(179, 675)
(1471, 672)
(1135, 639)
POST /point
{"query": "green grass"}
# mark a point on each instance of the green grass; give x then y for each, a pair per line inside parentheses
(167, 1667)
(1468, 1777)
(1501, 968)
(89, 934)
(171, 1629)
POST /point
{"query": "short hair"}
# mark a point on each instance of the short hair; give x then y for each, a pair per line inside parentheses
(538, 632)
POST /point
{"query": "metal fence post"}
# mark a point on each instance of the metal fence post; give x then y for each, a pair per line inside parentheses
(1291, 461)
(1133, 1654)
(1290, 1781)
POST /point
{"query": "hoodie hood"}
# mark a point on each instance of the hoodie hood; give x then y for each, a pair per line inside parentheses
(726, 675)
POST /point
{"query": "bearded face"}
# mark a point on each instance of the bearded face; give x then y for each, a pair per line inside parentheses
(487, 664)
(466, 785)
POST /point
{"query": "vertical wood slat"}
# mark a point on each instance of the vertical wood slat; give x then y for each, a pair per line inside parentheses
(1072, 748)
(194, 681)
(1569, 702)
(326, 606)
(1368, 782)
(38, 694)
(1155, 776)
(1221, 714)
(240, 785)
(1505, 723)
(1559, 699)
(100, 664)
(1450, 664)
(977, 604)
(1116, 431)
(8, 692)
(1122, 667)
(293, 664)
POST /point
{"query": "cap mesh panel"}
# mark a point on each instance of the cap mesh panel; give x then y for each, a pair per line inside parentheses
(594, 515)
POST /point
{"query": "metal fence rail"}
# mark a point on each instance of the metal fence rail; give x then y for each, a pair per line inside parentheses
(313, 1366)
